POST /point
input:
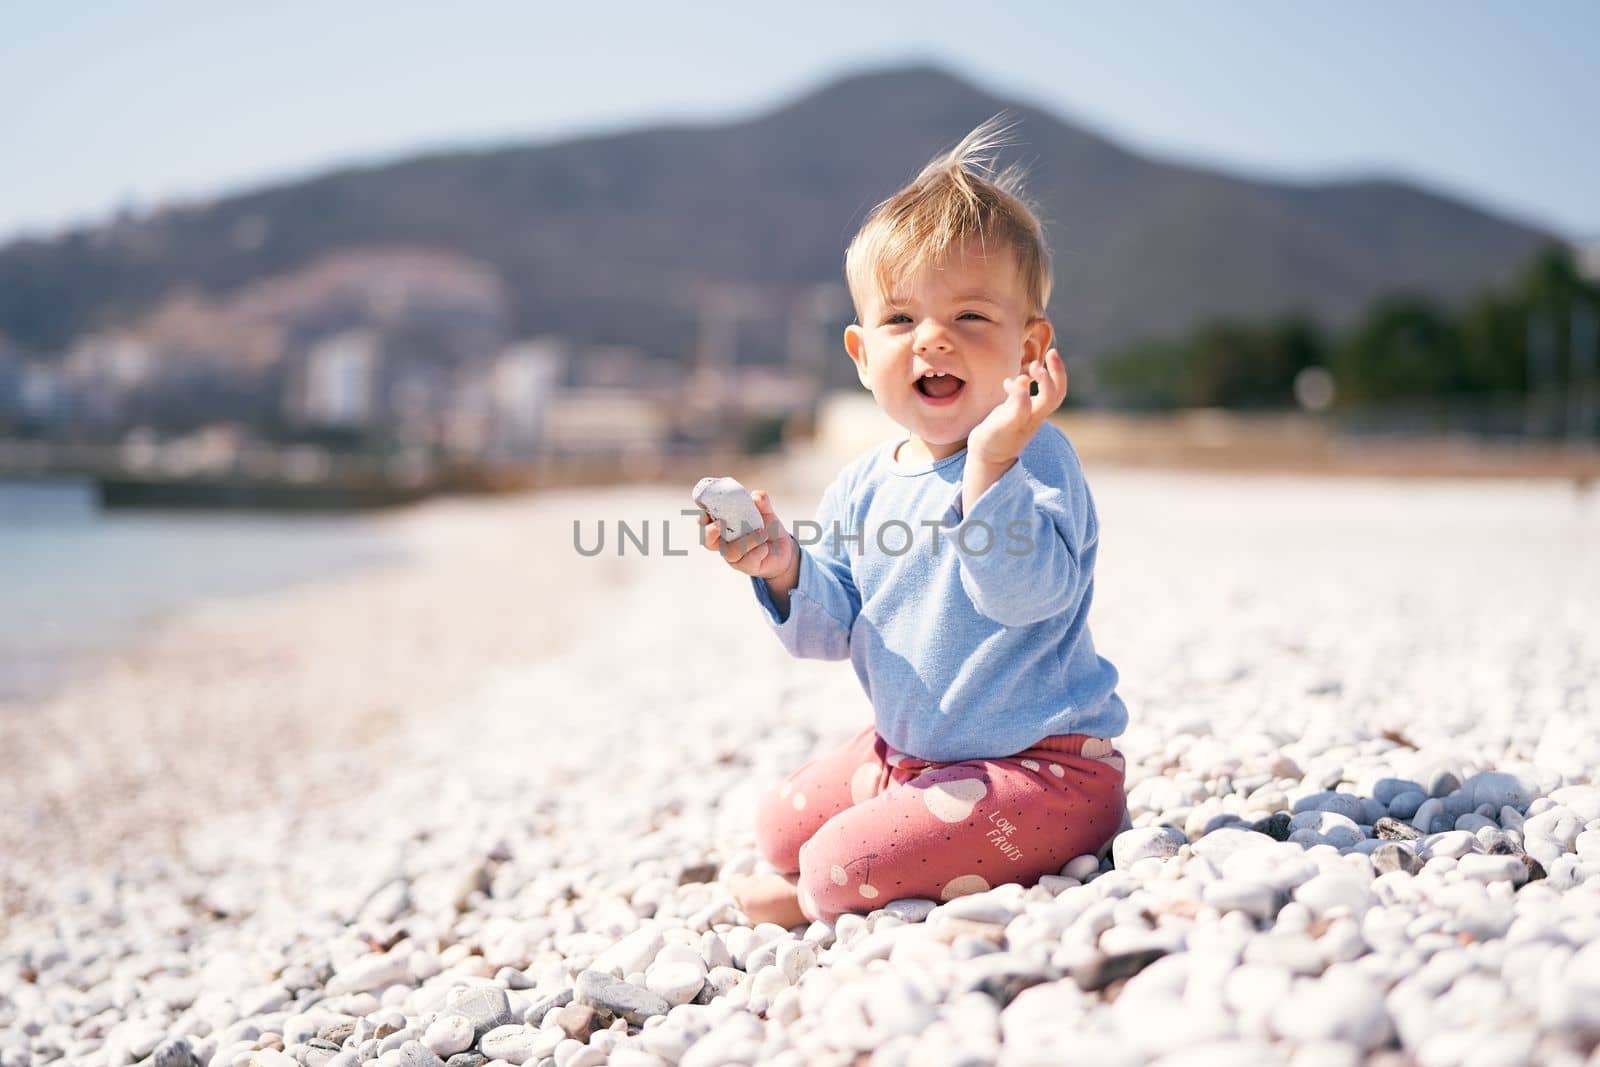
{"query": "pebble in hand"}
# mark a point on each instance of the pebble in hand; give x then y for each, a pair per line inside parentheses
(730, 504)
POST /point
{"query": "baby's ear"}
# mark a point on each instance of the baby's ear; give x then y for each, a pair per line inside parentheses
(855, 345)
(1036, 339)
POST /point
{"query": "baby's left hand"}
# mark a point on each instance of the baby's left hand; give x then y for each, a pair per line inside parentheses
(1006, 431)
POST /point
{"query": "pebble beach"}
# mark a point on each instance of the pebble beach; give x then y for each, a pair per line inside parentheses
(483, 805)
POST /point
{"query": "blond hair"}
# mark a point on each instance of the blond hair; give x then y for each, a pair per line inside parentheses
(952, 201)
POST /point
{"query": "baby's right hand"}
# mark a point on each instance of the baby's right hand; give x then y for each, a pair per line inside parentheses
(769, 552)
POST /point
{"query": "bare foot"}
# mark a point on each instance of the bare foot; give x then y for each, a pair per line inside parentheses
(770, 898)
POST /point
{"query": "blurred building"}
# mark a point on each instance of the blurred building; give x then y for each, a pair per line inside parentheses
(334, 385)
(114, 362)
(42, 394)
(622, 367)
(102, 370)
(606, 422)
(771, 391)
(211, 449)
(522, 383)
(465, 415)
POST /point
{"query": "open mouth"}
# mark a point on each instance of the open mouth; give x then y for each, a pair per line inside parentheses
(939, 388)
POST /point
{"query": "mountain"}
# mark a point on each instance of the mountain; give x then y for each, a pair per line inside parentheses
(616, 239)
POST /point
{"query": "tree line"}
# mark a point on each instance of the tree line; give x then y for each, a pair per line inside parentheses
(1539, 335)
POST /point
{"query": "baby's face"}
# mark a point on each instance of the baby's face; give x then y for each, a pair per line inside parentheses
(969, 320)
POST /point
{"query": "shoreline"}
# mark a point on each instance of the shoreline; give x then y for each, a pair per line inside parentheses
(85, 586)
(32, 671)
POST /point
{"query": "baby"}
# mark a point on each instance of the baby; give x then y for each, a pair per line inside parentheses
(954, 569)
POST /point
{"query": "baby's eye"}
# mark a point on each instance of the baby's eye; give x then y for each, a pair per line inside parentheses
(974, 314)
(896, 318)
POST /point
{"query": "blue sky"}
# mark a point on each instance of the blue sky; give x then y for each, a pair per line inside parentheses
(139, 103)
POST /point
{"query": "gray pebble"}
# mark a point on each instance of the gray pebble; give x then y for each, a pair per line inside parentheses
(1500, 789)
(1442, 783)
(486, 1007)
(1385, 790)
(1426, 811)
(1001, 976)
(536, 1012)
(1101, 970)
(910, 909)
(416, 1054)
(515, 979)
(398, 1038)
(1405, 805)
(1340, 803)
(1131, 846)
(1326, 828)
(620, 998)
(175, 1052)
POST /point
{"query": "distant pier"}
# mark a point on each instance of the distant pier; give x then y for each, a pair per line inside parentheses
(311, 478)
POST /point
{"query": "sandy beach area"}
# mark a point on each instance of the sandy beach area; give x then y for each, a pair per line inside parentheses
(286, 828)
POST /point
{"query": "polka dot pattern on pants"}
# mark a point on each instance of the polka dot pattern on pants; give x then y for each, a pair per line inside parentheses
(954, 799)
(960, 887)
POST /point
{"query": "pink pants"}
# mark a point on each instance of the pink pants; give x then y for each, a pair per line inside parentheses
(866, 825)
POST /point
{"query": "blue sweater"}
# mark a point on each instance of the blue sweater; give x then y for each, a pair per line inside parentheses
(969, 642)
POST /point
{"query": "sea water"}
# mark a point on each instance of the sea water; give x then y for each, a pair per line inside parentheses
(76, 581)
